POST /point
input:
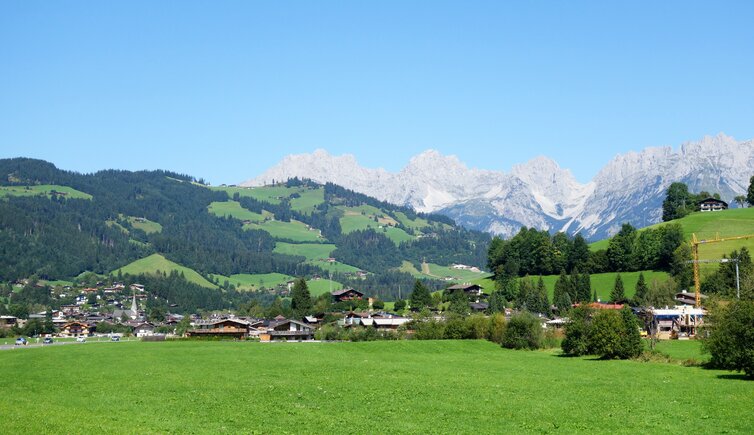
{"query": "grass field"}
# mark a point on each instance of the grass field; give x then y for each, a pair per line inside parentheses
(335, 267)
(683, 350)
(353, 220)
(43, 189)
(293, 230)
(145, 225)
(439, 272)
(312, 251)
(157, 262)
(233, 209)
(253, 282)
(320, 286)
(388, 387)
(308, 200)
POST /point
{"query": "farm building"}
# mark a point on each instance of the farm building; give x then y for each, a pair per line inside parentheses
(346, 294)
(470, 289)
(220, 328)
(712, 204)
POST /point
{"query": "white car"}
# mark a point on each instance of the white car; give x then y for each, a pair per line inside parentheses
(81, 339)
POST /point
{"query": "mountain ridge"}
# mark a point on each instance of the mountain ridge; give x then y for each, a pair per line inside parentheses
(538, 193)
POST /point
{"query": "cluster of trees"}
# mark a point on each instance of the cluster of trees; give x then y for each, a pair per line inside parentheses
(651, 248)
(610, 334)
(730, 336)
(679, 202)
(534, 252)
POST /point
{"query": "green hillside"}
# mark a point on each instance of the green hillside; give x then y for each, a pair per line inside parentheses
(157, 263)
(604, 282)
(253, 282)
(233, 209)
(47, 190)
(709, 225)
(293, 230)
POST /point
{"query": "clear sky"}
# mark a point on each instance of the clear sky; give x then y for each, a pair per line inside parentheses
(223, 90)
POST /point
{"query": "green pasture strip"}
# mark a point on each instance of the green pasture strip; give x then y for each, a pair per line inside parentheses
(413, 387)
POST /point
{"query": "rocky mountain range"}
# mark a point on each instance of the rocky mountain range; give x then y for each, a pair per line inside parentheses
(538, 193)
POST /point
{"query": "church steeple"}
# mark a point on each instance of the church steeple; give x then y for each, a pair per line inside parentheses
(134, 308)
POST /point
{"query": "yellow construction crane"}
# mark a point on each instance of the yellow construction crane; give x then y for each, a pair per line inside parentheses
(695, 254)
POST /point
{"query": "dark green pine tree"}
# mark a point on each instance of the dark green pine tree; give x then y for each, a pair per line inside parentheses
(631, 345)
(561, 295)
(301, 300)
(420, 296)
(573, 290)
(585, 287)
(497, 302)
(543, 302)
(642, 291)
(594, 296)
(618, 295)
(750, 192)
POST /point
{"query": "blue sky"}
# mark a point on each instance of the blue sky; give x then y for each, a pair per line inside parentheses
(223, 90)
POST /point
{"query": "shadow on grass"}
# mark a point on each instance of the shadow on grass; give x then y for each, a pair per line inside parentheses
(735, 377)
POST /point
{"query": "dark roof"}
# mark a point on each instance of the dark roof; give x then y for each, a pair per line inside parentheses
(479, 306)
(464, 287)
(710, 199)
(344, 291)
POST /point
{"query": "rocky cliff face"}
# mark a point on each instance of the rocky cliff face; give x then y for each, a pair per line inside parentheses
(539, 193)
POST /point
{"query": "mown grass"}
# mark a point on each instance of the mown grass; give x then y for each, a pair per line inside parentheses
(375, 387)
(439, 272)
(157, 263)
(293, 230)
(145, 225)
(334, 267)
(43, 189)
(312, 251)
(308, 200)
(233, 209)
(253, 282)
(321, 286)
(683, 350)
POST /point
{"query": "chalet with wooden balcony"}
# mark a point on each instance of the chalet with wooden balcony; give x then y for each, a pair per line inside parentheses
(75, 329)
(231, 328)
(346, 294)
(469, 289)
(289, 330)
(712, 204)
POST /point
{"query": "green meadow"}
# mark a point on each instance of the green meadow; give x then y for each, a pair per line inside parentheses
(233, 209)
(604, 282)
(157, 263)
(321, 286)
(145, 225)
(373, 387)
(293, 230)
(367, 216)
(253, 282)
(435, 271)
(308, 200)
(311, 251)
(43, 189)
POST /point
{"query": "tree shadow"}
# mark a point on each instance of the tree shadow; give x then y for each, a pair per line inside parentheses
(736, 377)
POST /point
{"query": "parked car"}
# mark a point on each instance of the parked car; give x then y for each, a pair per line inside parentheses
(114, 338)
(81, 339)
(47, 340)
(20, 341)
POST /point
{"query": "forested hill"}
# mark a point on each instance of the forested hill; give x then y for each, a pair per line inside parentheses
(56, 225)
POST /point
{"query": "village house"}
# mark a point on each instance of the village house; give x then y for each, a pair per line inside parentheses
(75, 329)
(712, 204)
(235, 328)
(288, 330)
(8, 321)
(145, 329)
(468, 288)
(687, 298)
(346, 294)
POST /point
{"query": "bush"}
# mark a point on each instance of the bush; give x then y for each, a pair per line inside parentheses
(479, 327)
(429, 330)
(457, 329)
(576, 341)
(730, 339)
(497, 328)
(523, 331)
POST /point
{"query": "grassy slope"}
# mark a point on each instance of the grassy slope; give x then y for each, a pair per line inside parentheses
(233, 209)
(312, 251)
(252, 282)
(204, 387)
(42, 189)
(352, 220)
(157, 262)
(309, 199)
(293, 230)
(320, 286)
(439, 272)
(145, 225)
